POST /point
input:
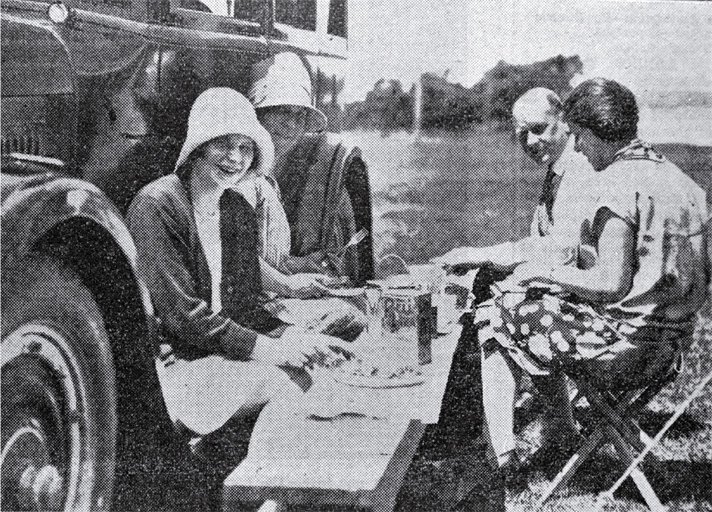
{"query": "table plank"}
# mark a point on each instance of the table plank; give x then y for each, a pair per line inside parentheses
(365, 481)
(357, 456)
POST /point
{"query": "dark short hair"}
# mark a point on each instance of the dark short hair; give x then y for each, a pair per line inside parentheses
(605, 107)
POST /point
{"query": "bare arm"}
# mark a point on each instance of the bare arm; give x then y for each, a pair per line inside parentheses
(612, 275)
(506, 255)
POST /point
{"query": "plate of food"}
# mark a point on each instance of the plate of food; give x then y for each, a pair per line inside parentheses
(357, 373)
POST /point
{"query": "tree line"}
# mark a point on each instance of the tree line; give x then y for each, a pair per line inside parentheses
(445, 105)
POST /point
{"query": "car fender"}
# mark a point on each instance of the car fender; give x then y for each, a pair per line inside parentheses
(33, 205)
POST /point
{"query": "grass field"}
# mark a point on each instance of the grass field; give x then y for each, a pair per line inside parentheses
(442, 191)
(438, 192)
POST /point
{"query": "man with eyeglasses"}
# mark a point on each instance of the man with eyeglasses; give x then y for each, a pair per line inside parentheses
(323, 184)
(544, 136)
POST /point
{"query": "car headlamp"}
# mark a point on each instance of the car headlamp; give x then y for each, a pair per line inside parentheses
(58, 12)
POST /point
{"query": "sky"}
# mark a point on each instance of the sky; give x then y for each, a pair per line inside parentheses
(650, 46)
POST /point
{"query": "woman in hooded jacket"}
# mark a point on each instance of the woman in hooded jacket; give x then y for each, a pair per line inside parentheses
(198, 251)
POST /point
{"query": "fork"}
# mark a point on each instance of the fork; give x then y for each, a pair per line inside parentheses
(357, 238)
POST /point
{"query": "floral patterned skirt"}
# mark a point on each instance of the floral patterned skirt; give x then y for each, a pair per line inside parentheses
(544, 332)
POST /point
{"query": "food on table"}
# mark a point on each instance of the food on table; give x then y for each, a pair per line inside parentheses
(357, 372)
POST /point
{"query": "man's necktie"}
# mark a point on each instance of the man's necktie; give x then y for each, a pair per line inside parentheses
(548, 192)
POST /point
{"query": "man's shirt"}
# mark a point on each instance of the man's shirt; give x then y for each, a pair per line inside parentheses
(570, 191)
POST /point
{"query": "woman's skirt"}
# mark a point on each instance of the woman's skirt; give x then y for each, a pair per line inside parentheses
(546, 333)
(203, 394)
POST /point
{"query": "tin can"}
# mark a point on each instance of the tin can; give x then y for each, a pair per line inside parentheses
(407, 323)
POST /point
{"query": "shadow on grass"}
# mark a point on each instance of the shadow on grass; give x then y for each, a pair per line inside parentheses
(674, 481)
(652, 422)
(434, 487)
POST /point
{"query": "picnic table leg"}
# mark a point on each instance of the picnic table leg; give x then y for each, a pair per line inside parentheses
(641, 481)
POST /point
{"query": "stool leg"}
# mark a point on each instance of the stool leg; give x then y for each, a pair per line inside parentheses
(568, 471)
(613, 416)
(646, 440)
(641, 481)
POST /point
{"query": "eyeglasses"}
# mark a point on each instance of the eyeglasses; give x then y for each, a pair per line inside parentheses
(225, 144)
(536, 129)
(295, 113)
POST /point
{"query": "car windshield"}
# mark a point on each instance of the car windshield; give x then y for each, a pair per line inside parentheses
(300, 14)
(338, 16)
(296, 13)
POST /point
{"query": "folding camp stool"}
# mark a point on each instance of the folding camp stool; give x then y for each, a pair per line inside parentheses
(616, 423)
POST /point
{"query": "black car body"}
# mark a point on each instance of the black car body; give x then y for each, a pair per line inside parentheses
(95, 100)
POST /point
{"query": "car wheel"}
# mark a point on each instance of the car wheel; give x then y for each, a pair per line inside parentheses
(58, 392)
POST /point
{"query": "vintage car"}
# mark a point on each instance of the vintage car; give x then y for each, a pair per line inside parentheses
(95, 99)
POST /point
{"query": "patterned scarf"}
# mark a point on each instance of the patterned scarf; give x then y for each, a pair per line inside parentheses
(639, 150)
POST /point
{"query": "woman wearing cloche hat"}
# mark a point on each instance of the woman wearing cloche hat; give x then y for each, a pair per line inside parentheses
(197, 240)
(308, 162)
(282, 93)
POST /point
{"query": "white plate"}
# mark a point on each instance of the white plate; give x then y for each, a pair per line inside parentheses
(340, 292)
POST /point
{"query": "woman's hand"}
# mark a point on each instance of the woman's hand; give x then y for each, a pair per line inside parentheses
(317, 348)
(298, 349)
(276, 352)
(303, 286)
(346, 324)
(299, 286)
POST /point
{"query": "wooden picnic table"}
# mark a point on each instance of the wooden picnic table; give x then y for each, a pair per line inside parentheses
(340, 445)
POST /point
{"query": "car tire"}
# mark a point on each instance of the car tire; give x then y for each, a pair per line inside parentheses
(58, 391)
